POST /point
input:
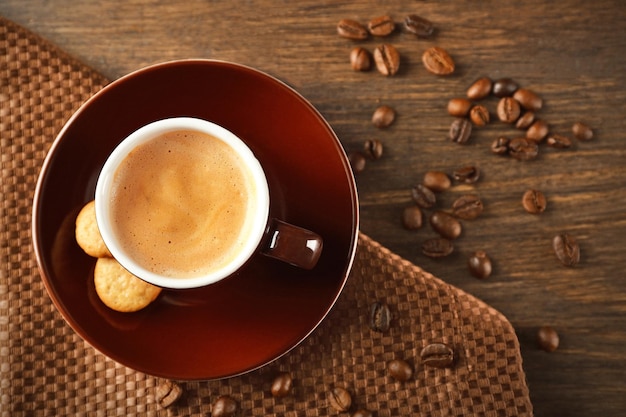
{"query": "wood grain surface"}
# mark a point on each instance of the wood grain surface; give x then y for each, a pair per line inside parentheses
(572, 52)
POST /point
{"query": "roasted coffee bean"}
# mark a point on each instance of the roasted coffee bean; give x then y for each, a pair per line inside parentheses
(467, 207)
(437, 247)
(508, 110)
(437, 355)
(423, 196)
(582, 131)
(556, 140)
(547, 338)
(467, 174)
(500, 146)
(383, 116)
(460, 130)
(446, 225)
(412, 218)
(357, 162)
(504, 87)
(479, 115)
(528, 99)
(437, 181)
(438, 61)
(351, 29)
(167, 393)
(479, 264)
(387, 59)
(538, 130)
(523, 149)
(340, 399)
(534, 201)
(281, 386)
(525, 120)
(566, 249)
(380, 317)
(224, 406)
(480, 88)
(363, 413)
(360, 59)
(373, 148)
(400, 370)
(419, 26)
(381, 26)
(459, 107)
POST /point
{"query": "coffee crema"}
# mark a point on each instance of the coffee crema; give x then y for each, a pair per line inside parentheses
(183, 204)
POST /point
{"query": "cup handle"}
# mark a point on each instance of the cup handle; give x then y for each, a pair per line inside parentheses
(292, 244)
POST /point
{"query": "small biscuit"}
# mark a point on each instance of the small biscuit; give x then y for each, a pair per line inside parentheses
(119, 289)
(87, 232)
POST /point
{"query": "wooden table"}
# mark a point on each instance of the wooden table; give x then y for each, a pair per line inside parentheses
(572, 52)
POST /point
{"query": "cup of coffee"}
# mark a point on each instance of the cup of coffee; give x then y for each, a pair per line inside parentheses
(183, 202)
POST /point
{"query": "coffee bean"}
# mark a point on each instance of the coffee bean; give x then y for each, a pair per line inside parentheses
(357, 161)
(340, 399)
(224, 406)
(281, 386)
(508, 110)
(460, 130)
(446, 225)
(566, 249)
(537, 131)
(534, 201)
(479, 264)
(423, 196)
(387, 59)
(363, 413)
(360, 59)
(419, 26)
(523, 149)
(380, 317)
(381, 26)
(556, 140)
(412, 218)
(467, 207)
(437, 355)
(467, 174)
(525, 120)
(504, 87)
(400, 370)
(437, 181)
(500, 146)
(373, 149)
(459, 107)
(438, 61)
(383, 116)
(582, 131)
(547, 338)
(479, 115)
(167, 393)
(351, 29)
(480, 88)
(437, 248)
(528, 99)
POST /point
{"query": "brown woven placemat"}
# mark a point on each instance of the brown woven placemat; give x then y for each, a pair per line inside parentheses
(46, 369)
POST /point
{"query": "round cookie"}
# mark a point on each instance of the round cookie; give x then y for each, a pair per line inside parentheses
(119, 289)
(87, 232)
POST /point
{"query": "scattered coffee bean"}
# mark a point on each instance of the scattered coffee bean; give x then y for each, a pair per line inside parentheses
(537, 131)
(438, 61)
(523, 149)
(500, 146)
(437, 247)
(437, 181)
(534, 201)
(480, 89)
(360, 59)
(459, 107)
(423, 196)
(400, 370)
(479, 115)
(460, 130)
(566, 249)
(582, 131)
(508, 110)
(340, 399)
(446, 225)
(504, 87)
(373, 149)
(556, 140)
(437, 355)
(167, 393)
(419, 26)
(381, 26)
(383, 116)
(357, 161)
(380, 317)
(528, 99)
(351, 29)
(467, 207)
(281, 386)
(525, 120)
(467, 174)
(363, 413)
(479, 264)
(547, 338)
(224, 406)
(387, 59)
(412, 218)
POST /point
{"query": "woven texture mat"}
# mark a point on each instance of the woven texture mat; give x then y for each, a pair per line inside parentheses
(46, 369)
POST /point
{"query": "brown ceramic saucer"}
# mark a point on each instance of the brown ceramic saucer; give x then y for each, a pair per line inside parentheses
(268, 307)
